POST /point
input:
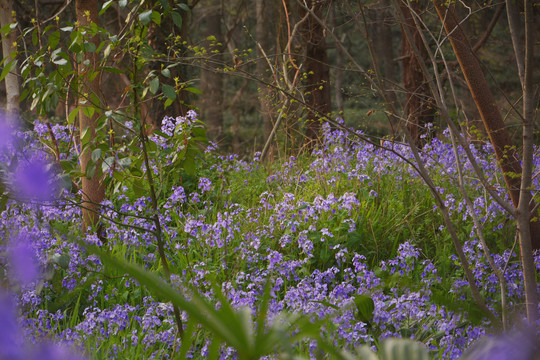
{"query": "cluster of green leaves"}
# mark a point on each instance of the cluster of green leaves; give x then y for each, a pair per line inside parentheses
(50, 72)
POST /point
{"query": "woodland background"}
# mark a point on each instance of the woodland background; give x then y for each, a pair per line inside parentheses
(239, 54)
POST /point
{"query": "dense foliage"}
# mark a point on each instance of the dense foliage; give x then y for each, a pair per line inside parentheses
(347, 237)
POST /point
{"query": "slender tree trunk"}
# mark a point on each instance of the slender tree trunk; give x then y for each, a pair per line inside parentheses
(506, 153)
(317, 90)
(211, 79)
(9, 51)
(93, 188)
(516, 32)
(263, 34)
(419, 107)
(338, 77)
(524, 216)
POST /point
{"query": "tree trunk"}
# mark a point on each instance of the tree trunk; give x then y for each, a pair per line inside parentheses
(93, 188)
(317, 89)
(9, 51)
(419, 107)
(507, 156)
(338, 75)
(211, 79)
(523, 213)
(263, 34)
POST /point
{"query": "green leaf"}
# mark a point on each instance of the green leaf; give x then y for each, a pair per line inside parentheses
(399, 349)
(165, 4)
(154, 85)
(145, 17)
(88, 111)
(177, 19)
(189, 166)
(193, 90)
(34, 38)
(184, 7)
(7, 68)
(122, 3)
(91, 170)
(105, 7)
(61, 260)
(107, 164)
(112, 70)
(169, 91)
(85, 136)
(125, 162)
(75, 316)
(156, 18)
(96, 154)
(60, 61)
(90, 46)
(365, 307)
(107, 51)
(166, 72)
(73, 114)
(54, 39)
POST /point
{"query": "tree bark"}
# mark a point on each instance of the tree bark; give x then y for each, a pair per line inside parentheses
(516, 32)
(507, 155)
(8, 51)
(263, 34)
(523, 213)
(317, 90)
(419, 107)
(93, 189)
(211, 79)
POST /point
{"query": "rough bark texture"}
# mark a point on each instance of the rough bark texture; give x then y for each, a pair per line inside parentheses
(211, 79)
(506, 153)
(317, 88)
(8, 49)
(93, 189)
(419, 107)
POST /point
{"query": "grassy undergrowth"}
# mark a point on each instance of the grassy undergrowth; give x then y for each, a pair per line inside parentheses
(347, 222)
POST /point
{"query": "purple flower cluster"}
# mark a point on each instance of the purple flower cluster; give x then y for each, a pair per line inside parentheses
(29, 177)
(299, 231)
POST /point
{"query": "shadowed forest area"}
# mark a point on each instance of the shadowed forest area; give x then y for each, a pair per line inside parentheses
(278, 179)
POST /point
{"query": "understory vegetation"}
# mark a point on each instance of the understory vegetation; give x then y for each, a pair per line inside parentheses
(336, 249)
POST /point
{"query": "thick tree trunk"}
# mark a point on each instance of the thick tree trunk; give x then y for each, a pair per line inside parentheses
(93, 188)
(317, 90)
(506, 153)
(419, 107)
(211, 79)
(8, 51)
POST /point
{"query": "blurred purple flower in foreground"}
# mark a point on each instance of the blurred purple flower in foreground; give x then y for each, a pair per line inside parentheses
(13, 347)
(23, 261)
(6, 137)
(30, 181)
(510, 346)
(10, 337)
(33, 181)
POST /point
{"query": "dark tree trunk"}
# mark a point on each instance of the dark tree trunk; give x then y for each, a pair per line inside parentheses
(211, 79)
(93, 189)
(317, 89)
(419, 106)
(507, 156)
